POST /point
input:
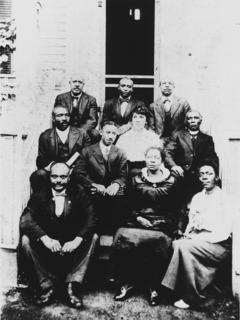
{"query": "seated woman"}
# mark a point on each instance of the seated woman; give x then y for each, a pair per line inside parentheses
(142, 249)
(205, 243)
(135, 141)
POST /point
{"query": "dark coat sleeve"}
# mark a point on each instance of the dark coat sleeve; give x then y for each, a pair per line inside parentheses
(80, 171)
(85, 208)
(170, 151)
(123, 170)
(43, 157)
(29, 221)
(91, 120)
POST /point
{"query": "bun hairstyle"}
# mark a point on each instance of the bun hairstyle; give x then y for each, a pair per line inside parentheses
(142, 110)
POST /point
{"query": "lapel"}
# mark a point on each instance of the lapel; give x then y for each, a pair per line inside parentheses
(99, 158)
(129, 108)
(67, 206)
(174, 106)
(53, 142)
(72, 138)
(160, 108)
(188, 140)
(82, 103)
(118, 107)
(111, 156)
(200, 139)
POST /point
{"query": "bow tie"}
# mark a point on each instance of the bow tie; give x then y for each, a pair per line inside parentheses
(63, 194)
(124, 100)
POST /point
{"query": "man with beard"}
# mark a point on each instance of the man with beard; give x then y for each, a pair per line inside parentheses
(168, 112)
(60, 143)
(102, 170)
(82, 107)
(58, 239)
(119, 109)
(185, 151)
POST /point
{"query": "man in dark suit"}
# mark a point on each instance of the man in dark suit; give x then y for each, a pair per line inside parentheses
(82, 107)
(60, 143)
(102, 170)
(58, 239)
(185, 151)
(168, 112)
(120, 109)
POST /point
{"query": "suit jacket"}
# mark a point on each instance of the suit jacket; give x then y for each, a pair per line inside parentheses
(87, 109)
(48, 148)
(112, 111)
(90, 167)
(178, 112)
(179, 151)
(39, 219)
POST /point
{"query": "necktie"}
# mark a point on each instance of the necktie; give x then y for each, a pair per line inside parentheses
(59, 199)
(194, 141)
(105, 154)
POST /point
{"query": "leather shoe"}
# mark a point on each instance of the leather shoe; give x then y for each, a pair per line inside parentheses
(153, 298)
(45, 298)
(73, 300)
(123, 293)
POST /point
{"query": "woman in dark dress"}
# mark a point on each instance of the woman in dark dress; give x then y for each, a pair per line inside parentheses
(142, 249)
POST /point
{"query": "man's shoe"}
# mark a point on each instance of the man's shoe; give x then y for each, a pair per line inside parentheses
(123, 293)
(45, 298)
(153, 298)
(73, 300)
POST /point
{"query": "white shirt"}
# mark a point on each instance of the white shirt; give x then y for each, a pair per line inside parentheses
(135, 143)
(167, 103)
(63, 135)
(75, 99)
(211, 212)
(59, 198)
(105, 150)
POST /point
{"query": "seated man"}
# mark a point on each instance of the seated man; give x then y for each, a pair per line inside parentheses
(102, 170)
(186, 149)
(58, 239)
(120, 108)
(82, 107)
(205, 243)
(168, 112)
(60, 143)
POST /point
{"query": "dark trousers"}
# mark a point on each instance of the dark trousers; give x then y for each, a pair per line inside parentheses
(50, 267)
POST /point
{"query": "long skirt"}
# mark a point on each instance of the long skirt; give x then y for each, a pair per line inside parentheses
(141, 255)
(193, 267)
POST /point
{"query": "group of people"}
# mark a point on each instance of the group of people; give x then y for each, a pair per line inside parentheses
(134, 178)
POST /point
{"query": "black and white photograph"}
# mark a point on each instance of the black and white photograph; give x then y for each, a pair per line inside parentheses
(119, 159)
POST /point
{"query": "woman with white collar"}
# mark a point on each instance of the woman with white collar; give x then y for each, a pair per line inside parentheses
(141, 250)
(136, 141)
(205, 243)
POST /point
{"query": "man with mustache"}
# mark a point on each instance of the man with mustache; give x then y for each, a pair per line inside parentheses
(58, 239)
(102, 170)
(60, 143)
(82, 107)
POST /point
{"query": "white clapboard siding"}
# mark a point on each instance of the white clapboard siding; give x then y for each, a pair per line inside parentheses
(10, 190)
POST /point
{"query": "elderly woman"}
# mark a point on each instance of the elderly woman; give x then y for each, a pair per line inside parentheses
(205, 243)
(141, 249)
(135, 141)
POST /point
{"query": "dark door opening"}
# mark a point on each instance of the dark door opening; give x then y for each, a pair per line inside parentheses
(130, 45)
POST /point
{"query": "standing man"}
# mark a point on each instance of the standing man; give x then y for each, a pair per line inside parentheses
(60, 143)
(82, 107)
(185, 151)
(58, 236)
(168, 112)
(102, 170)
(119, 109)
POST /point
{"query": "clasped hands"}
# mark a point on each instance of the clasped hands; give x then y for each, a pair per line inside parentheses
(55, 246)
(111, 190)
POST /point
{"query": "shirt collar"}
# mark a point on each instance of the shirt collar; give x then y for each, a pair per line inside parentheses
(63, 133)
(55, 193)
(74, 96)
(103, 147)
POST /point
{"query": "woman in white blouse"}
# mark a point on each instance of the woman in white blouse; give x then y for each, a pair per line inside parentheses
(137, 140)
(205, 243)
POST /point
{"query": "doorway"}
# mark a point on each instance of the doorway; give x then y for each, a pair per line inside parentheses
(130, 46)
